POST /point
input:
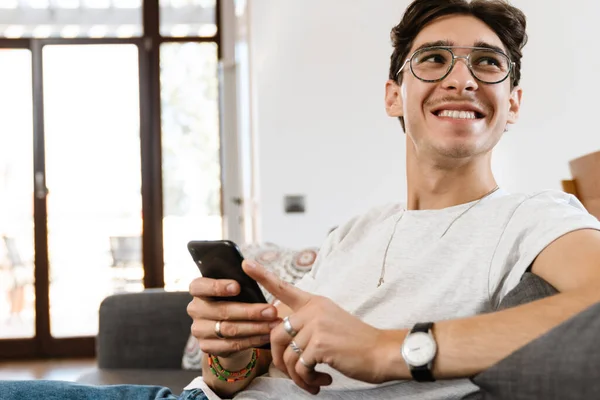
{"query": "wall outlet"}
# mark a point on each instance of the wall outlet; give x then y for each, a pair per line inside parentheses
(294, 204)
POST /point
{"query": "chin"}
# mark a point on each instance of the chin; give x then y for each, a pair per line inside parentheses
(463, 143)
(459, 149)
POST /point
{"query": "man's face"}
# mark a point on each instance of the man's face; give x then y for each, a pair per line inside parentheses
(427, 107)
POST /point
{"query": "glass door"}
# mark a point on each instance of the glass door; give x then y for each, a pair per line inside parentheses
(103, 114)
(93, 175)
(17, 294)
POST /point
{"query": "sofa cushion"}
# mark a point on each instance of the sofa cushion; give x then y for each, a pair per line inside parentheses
(126, 338)
(530, 288)
(290, 265)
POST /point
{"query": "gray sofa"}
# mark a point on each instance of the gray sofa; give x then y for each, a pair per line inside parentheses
(142, 337)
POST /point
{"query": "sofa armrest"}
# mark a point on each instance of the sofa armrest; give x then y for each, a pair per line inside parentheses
(143, 330)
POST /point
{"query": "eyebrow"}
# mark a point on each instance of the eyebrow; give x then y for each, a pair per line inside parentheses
(448, 43)
(437, 43)
(487, 45)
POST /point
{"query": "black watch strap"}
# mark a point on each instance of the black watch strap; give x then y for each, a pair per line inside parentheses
(422, 373)
(422, 327)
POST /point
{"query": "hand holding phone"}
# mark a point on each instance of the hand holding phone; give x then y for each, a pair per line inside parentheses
(222, 259)
(227, 295)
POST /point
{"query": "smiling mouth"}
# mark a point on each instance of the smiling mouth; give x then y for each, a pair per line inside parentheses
(455, 114)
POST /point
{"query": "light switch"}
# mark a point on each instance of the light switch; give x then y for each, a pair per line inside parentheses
(294, 204)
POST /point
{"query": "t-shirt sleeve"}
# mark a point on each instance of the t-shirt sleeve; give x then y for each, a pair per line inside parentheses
(535, 223)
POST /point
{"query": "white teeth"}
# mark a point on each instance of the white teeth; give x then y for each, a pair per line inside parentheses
(457, 114)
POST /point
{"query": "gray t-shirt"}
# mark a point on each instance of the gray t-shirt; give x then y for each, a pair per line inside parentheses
(439, 264)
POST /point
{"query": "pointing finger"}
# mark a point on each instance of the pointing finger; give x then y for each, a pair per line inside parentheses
(282, 290)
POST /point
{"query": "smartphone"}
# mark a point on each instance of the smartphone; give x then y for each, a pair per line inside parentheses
(222, 259)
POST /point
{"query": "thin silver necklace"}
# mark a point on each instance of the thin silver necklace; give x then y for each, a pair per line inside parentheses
(382, 275)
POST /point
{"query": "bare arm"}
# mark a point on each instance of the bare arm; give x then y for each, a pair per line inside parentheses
(471, 345)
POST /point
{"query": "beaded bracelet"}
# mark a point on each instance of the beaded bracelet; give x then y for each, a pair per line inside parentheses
(232, 376)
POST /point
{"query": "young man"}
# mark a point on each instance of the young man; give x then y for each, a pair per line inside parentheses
(409, 293)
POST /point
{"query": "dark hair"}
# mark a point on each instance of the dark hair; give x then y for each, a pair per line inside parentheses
(508, 22)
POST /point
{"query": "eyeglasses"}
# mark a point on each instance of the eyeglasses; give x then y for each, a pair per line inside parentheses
(433, 64)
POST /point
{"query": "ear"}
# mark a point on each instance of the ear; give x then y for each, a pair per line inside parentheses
(514, 105)
(393, 99)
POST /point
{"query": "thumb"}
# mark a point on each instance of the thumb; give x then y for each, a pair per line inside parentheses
(282, 290)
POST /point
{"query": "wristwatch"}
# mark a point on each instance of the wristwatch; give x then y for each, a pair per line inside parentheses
(419, 350)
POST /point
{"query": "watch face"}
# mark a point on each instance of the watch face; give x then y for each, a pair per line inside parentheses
(419, 349)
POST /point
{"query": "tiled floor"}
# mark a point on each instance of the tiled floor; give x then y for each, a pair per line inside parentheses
(65, 370)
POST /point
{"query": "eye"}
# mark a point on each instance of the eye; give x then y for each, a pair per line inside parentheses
(434, 58)
(488, 61)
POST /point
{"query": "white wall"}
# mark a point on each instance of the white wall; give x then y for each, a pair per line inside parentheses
(318, 72)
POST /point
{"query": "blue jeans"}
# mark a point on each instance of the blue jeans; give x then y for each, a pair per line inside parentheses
(58, 390)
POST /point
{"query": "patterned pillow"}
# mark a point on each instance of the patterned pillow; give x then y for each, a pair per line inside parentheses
(290, 265)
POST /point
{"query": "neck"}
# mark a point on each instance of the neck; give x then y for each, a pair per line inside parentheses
(439, 184)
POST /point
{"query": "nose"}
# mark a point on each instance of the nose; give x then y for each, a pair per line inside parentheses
(460, 78)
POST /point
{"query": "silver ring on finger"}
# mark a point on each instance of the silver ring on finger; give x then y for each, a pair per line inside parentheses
(295, 347)
(306, 364)
(218, 330)
(288, 327)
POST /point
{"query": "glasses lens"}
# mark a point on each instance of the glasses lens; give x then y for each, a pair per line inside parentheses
(431, 64)
(489, 66)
